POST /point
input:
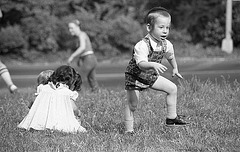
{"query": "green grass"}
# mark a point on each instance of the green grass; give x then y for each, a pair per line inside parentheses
(213, 110)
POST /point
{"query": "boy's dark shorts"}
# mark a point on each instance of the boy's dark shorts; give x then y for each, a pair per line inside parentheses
(140, 82)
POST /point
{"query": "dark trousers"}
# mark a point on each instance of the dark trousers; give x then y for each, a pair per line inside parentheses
(88, 66)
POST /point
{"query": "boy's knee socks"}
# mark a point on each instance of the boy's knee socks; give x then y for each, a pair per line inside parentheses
(171, 112)
(128, 119)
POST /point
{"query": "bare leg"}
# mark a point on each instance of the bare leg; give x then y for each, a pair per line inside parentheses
(130, 107)
(7, 78)
(163, 84)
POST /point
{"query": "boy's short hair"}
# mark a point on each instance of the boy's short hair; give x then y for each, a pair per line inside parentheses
(43, 77)
(154, 13)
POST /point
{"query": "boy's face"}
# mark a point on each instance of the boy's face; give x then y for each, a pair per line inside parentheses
(160, 29)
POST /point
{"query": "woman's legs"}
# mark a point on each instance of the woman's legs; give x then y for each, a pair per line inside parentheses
(163, 84)
(92, 79)
(89, 65)
(130, 107)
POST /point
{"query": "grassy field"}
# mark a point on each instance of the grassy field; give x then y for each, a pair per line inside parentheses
(212, 109)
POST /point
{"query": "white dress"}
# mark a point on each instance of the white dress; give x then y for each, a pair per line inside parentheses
(52, 109)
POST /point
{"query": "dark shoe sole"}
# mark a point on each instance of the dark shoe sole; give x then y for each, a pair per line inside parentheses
(177, 125)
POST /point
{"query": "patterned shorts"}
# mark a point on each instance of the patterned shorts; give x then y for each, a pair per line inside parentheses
(139, 82)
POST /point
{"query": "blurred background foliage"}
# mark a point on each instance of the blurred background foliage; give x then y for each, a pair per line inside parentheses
(30, 28)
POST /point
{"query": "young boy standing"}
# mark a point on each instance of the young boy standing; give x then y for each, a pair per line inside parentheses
(145, 68)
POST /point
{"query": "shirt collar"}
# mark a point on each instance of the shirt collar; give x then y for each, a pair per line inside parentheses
(153, 42)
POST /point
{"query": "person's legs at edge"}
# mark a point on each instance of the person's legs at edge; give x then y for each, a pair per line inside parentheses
(130, 107)
(4, 73)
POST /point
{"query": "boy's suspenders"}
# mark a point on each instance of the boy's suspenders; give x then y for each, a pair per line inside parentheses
(155, 56)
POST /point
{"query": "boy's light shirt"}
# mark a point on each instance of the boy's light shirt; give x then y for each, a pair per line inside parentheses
(141, 50)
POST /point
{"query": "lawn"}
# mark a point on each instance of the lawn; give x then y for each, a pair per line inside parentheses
(213, 110)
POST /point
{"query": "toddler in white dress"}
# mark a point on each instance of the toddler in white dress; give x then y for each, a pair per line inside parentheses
(42, 79)
(53, 108)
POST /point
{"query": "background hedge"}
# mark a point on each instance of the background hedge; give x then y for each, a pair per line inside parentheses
(114, 26)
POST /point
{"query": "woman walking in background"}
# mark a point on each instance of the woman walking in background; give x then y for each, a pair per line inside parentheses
(86, 58)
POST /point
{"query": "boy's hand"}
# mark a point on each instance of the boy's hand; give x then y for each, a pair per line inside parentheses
(179, 75)
(175, 73)
(159, 67)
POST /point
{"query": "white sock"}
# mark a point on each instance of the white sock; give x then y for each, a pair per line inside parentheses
(171, 111)
(129, 125)
(129, 120)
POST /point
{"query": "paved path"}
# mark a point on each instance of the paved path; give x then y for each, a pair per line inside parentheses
(112, 74)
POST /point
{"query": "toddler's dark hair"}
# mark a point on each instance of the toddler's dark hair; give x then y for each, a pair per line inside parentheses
(151, 15)
(67, 75)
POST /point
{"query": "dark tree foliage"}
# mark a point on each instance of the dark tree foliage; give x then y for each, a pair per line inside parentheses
(12, 40)
(114, 26)
(204, 20)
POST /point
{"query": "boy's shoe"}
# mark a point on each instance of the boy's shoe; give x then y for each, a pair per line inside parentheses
(176, 122)
(12, 88)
